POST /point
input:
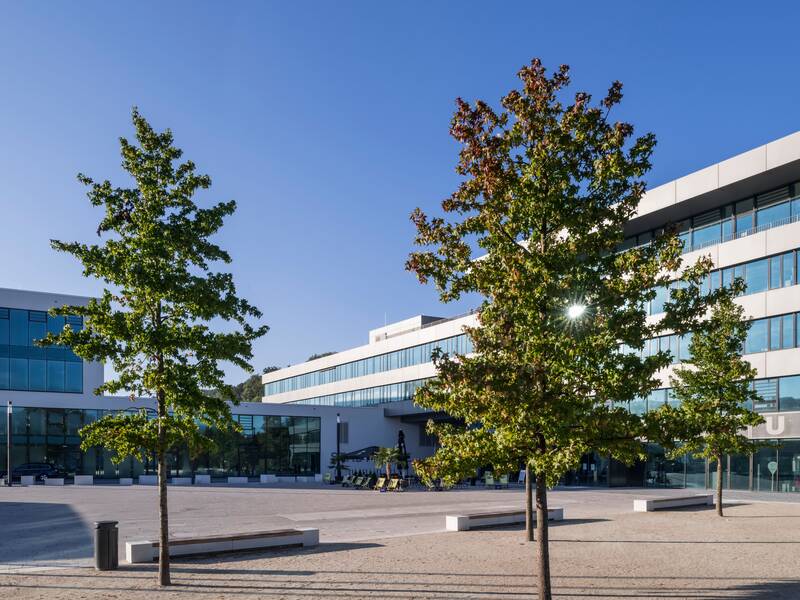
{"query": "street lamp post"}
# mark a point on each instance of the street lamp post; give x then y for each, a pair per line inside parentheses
(338, 448)
(9, 475)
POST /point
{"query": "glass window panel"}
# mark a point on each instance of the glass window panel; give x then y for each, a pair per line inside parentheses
(775, 333)
(18, 373)
(757, 337)
(756, 276)
(775, 280)
(37, 375)
(767, 390)
(4, 374)
(706, 236)
(773, 214)
(19, 327)
(790, 393)
(787, 331)
(55, 375)
(4, 331)
(788, 269)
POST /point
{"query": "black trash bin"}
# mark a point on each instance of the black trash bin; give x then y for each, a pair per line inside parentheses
(106, 537)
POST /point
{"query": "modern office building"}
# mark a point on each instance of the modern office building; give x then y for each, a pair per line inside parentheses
(744, 213)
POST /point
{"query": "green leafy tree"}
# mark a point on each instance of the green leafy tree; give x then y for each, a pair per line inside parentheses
(714, 389)
(152, 322)
(534, 228)
(386, 457)
(315, 356)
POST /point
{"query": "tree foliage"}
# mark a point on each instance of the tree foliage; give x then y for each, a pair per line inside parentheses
(548, 183)
(714, 390)
(152, 322)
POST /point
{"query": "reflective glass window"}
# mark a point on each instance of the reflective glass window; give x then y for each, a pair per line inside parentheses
(37, 377)
(788, 269)
(767, 390)
(773, 214)
(756, 276)
(775, 333)
(775, 280)
(757, 337)
(787, 331)
(790, 393)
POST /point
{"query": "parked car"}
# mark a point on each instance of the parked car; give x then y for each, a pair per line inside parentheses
(40, 471)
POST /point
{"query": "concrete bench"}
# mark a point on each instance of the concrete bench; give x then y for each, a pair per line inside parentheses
(147, 551)
(237, 479)
(181, 481)
(202, 479)
(84, 479)
(126, 480)
(656, 503)
(148, 479)
(467, 521)
(54, 481)
(267, 479)
(27, 480)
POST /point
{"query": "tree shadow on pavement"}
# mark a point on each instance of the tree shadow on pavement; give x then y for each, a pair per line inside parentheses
(40, 531)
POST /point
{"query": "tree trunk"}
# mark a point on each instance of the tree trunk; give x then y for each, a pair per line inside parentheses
(528, 504)
(719, 485)
(388, 473)
(163, 540)
(542, 538)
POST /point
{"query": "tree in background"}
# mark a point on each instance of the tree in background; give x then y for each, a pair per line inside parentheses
(152, 320)
(386, 457)
(535, 229)
(315, 356)
(714, 389)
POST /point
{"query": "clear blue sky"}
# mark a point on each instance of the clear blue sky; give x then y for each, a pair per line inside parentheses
(328, 123)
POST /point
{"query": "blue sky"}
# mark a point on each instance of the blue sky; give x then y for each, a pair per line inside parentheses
(327, 122)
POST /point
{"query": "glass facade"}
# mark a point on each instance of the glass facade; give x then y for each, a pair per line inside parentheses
(407, 357)
(277, 445)
(732, 221)
(395, 392)
(772, 272)
(775, 394)
(26, 367)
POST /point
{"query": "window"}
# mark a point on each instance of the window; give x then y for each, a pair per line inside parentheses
(775, 279)
(767, 390)
(756, 277)
(790, 393)
(757, 337)
(787, 330)
(788, 269)
(775, 334)
(344, 432)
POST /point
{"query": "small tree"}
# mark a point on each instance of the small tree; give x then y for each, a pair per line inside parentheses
(152, 321)
(386, 457)
(535, 227)
(715, 391)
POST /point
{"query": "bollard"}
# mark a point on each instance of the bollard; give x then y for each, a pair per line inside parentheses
(106, 537)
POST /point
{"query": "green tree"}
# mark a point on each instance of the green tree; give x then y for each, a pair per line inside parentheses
(385, 457)
(152, 322)
(315, 356)
(714, 389)
(534, 228)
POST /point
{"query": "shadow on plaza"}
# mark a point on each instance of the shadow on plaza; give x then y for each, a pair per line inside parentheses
(43, 531)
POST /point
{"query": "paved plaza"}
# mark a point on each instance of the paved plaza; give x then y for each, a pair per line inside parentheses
(394, 545)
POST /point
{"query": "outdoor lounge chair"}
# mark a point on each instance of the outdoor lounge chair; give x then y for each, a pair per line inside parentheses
(504, 481)
(347, 481)
(381, 484)
(489, 481)
(367, 482)
(395, 485)
(358, 481)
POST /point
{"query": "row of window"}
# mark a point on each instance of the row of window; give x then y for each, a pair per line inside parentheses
(395, 392)
(771, 333)
(24, 366)
(267, 444)
(732, 221)
(768, 273)
(775, 394)
(407, 357)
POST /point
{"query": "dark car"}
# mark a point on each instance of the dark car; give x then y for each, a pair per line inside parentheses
(40, 471)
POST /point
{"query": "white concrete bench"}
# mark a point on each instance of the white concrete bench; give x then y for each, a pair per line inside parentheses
(146, 551)
(237, 479)
(126, 480)
(54, 481)
(202, 479)
(84, 479)
(148, 479)
(181, 481)
(467, 521)
(659, 503)
(267, 479)
(27, 480)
